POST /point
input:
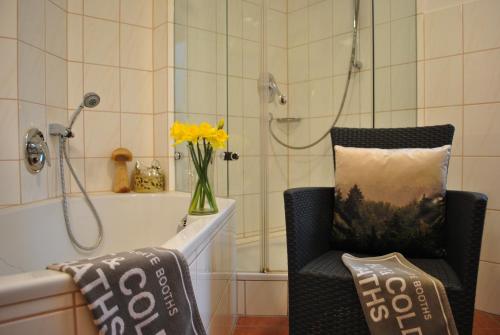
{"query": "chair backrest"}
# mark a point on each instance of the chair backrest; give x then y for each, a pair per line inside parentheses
(392, 138)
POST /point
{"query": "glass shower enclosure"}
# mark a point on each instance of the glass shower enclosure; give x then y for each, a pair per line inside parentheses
(277, 72)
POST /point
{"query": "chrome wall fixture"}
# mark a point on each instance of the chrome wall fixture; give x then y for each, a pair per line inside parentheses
(269, 88)
(36, 151)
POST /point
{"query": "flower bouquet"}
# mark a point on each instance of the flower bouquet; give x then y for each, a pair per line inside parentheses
(202, 141)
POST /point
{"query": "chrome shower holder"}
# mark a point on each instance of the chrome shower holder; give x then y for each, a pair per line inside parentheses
(270, 90)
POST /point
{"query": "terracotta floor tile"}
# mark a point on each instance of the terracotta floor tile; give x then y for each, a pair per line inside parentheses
(485, 320)
(486, 331)
(261, 331)
(484, 324)
(264, 321)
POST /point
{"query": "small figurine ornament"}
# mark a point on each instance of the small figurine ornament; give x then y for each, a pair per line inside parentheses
(121, 182)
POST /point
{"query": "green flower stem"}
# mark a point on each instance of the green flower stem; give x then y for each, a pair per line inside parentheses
(203, 191)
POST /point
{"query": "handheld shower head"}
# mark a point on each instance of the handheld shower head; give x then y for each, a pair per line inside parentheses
(91, 99)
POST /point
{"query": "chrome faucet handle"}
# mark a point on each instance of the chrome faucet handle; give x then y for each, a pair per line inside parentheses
(283, 99)
(36, 151)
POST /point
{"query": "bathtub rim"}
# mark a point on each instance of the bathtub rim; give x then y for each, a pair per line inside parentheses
(32, 285)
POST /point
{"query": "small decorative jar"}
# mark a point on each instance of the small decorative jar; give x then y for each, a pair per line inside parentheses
(148, 179)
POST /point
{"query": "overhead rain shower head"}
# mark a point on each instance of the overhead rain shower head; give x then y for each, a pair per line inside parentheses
(91, 99)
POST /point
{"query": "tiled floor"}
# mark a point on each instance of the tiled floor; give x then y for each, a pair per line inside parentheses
(484, 324)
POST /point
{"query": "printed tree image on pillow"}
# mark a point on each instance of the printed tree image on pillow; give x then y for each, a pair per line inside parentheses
(389, 200)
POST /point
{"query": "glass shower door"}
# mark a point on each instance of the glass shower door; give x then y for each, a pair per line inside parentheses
(200, 79)
(225, 52)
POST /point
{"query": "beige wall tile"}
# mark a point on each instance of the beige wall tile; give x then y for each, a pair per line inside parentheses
(136, 47)
(8, 18)
(276, 28)
(75, 84)
(55, 30)
(8, 68)
(481, 25)
(56, 87)
(108, 9)
(455, 173)
(482, 130)
(75, 37)
(137, 134)
(202, 14)
(482, 77)
(443, 82)
(100, 43)
(99, 174)
(202, 50)
(298, 28)
(8, 130)
(139, 12)
(320, 59)
(403, 49)
(75, 6)
(487, 294)
(445, 115)
(160, 46)
(31, 74)
(402, 8)
(102, 133)
(31, 22)
(136, 91)
(443, 32)
(104, 81)
(491, 235)
(482, 174)
(266, 297)
(160, 12)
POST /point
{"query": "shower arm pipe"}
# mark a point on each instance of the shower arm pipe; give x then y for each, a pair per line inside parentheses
(75, 115)
(352, 64)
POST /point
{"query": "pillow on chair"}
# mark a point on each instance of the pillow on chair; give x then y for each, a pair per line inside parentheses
(390, 200)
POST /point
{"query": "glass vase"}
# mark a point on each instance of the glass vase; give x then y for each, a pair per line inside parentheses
(203, 201)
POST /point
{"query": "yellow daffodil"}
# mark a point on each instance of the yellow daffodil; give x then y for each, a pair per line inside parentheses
(207, 131)
(220, 124)
(185, 132)
(178, 132)
(219, 140)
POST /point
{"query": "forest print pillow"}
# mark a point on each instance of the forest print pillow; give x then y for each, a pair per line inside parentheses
(390, 200)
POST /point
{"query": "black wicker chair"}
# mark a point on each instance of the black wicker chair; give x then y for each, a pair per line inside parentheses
(322, 296)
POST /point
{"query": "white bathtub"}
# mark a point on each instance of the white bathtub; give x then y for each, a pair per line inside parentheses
(34, 236)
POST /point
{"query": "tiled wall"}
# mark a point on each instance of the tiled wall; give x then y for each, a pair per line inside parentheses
(395, 52)
(53, 51)
(110, 52)
(33, 90)
(459, 83)
(163, 83)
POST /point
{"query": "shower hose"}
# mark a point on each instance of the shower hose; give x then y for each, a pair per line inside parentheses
(63, 156)
(352, 65)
